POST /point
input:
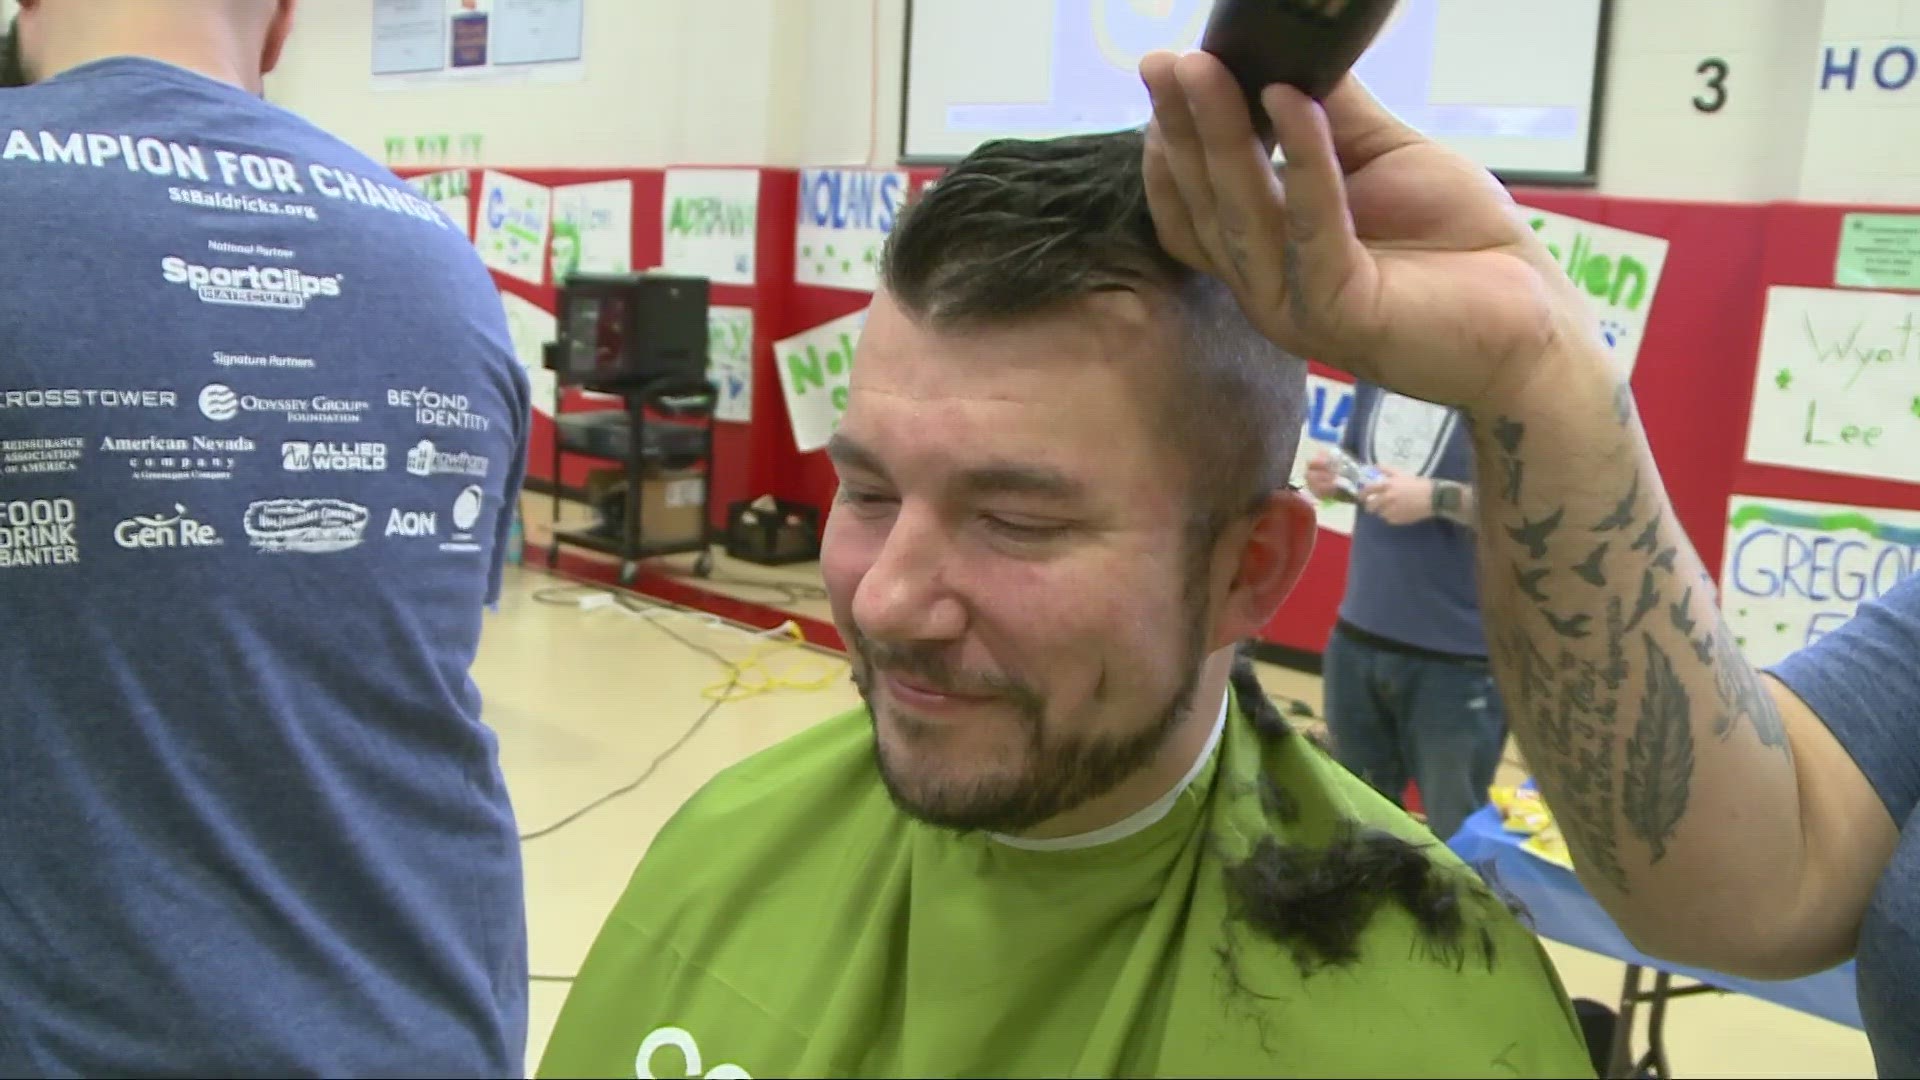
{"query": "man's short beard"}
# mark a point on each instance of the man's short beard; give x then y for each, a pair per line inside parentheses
(1062, 773)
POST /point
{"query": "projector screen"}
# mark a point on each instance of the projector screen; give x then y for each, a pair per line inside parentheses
(1514, 84)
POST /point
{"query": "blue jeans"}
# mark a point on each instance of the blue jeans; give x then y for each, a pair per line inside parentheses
(1395, 716)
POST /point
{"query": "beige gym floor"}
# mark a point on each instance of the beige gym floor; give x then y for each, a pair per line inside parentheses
(585, 698)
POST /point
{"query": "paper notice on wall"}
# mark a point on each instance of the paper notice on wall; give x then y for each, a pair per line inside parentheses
(425, 41)
(730, 362)
(1837, 387)
(409, 36)
(515, 218)
(449, 191)
(592, 229)
(814, 369)
(845, 216)
(1794, 571)
(531, 327)
(1618, 270)
(709, 223)
(1329, 404)
(1879, 251)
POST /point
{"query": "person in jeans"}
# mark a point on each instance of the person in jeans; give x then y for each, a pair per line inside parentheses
(1409, 694)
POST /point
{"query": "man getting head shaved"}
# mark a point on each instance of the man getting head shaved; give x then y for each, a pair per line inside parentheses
(1067, 835)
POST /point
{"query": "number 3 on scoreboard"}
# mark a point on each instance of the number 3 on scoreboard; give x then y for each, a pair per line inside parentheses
(1715, 69)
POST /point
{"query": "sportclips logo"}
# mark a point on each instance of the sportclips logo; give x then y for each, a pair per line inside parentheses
(280, 287)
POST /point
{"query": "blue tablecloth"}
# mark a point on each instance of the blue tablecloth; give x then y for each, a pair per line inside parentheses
(1559, 908)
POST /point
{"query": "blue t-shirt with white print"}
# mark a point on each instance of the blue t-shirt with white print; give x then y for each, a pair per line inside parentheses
(1414, 584)
(1863, 681)
(260, 425)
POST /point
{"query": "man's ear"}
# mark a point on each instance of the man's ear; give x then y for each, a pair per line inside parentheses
(1278, 540)
(277, 32)
(15, 68)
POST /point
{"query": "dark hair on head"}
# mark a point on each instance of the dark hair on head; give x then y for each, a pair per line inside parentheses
(1024, 228)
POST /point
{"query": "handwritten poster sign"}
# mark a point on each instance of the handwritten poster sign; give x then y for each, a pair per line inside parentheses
(531, 326)
(515, 218)
(1837, 388)
(814, 369)
(1617, 269)
(730, 362)
(450, 191)
(1797, 570)
(709, 221)
(1329, 404)
(592, 229)
(845, 216)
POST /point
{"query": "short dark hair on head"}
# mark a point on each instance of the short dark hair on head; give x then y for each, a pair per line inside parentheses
(1023, 228)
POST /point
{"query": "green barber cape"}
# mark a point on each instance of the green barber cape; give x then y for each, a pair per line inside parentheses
(789, 921)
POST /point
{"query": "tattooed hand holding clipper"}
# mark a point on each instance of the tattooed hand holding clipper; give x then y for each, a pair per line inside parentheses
(1723, 819)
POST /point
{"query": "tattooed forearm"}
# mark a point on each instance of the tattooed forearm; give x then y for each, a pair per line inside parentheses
(1507, 434)
(1634, 718)
(1649, 599)
(1623, 511)
(1623, 404)
(1591, 569)
(1615, 672)
(1649, 538)
(1574, 722)
(1533, 678)
(1572, 626)
(1510, 479)
(1529, 581)
(1533, 535)
(1596, 777)
(1742, 694)
(1682, 613)
(1660, 755)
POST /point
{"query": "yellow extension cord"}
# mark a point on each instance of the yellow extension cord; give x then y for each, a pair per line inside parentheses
(742, 682)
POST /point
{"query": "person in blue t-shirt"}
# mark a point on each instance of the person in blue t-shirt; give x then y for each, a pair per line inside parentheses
(1409, 694)
(261, 427)
(1760, 823)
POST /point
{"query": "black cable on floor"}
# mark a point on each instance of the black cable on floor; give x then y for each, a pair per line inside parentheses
(793, 592)
(628, 788)
(572, 596)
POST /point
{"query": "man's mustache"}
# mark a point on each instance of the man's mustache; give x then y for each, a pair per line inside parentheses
(926, 665)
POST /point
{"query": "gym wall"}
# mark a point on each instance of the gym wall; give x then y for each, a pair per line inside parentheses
(720, 82)
(817, 82)
(1739, 132)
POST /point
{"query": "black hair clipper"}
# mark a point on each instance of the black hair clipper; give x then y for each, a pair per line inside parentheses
(1309, 44)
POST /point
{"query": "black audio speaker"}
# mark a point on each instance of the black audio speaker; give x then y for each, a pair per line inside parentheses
(621, 331)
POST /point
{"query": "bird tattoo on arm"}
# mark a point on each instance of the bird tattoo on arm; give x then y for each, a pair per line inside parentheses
(1533, 535)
